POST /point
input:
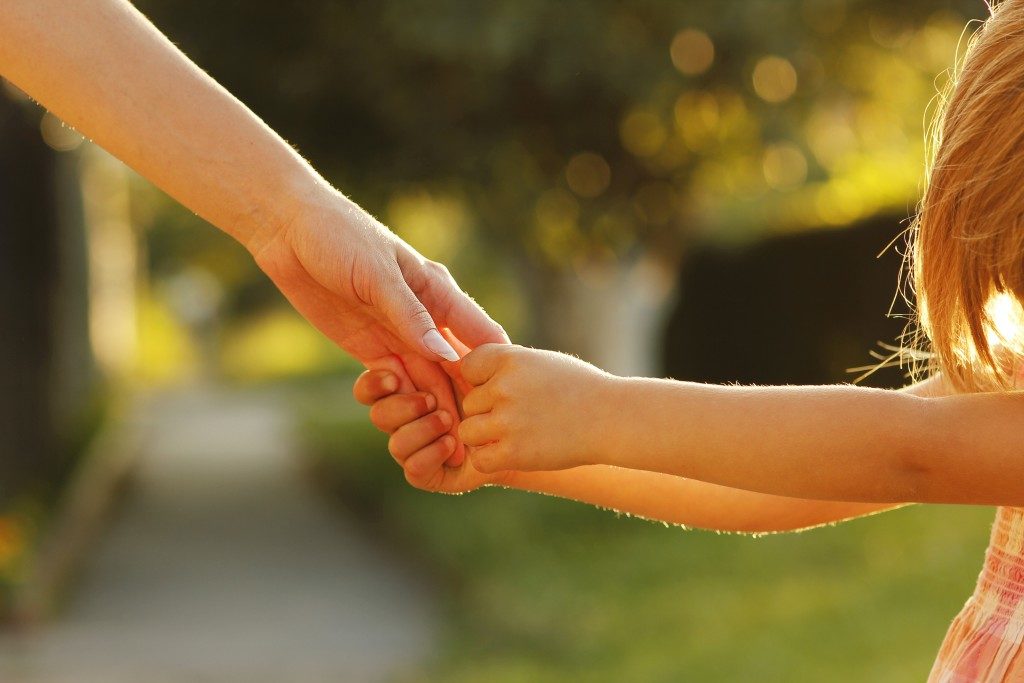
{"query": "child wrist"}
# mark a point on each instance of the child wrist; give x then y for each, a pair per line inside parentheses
(609, 436)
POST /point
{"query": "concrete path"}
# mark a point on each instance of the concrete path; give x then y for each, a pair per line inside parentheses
(225, 566)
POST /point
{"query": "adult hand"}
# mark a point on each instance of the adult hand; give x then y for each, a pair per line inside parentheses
(374, 295)
(109, 73)
(365, 288)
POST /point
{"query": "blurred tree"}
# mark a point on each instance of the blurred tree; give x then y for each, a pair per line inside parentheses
(795, 309)
(569, 133)
(49, 390)
(28, 279)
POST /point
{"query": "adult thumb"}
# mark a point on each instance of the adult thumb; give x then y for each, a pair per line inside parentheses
(413, 324)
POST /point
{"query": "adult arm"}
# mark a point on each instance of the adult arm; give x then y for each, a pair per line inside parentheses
(103, 68)
(107, 71)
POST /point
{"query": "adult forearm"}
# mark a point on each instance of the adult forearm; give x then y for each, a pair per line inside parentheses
(104, 69)
(689, 502)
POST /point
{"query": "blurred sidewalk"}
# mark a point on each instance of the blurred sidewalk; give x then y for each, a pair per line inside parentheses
(223, 565)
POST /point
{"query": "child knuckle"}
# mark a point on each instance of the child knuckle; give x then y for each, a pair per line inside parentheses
(501, 422)
(500, 391)
(482, 462)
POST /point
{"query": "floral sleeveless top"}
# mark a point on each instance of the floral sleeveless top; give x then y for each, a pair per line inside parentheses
(984, 641)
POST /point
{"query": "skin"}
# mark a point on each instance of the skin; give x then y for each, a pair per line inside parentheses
(105, 70)
(420, 444)
(535, 410)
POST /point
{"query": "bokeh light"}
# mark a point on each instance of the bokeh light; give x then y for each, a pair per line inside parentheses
(643, 132)
(57, 134)
(774, 79)
(588, 174)
(785, 166)
(692, 52)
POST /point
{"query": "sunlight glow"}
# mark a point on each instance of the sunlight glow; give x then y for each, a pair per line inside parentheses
(692, 52)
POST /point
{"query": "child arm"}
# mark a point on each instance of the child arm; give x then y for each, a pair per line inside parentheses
(534, 410)
(651, 495)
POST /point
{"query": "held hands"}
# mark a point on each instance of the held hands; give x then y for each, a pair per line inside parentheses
(372, 294)
(524, 409)
(421, 430)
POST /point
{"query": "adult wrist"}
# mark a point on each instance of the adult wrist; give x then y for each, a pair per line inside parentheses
(301, 197)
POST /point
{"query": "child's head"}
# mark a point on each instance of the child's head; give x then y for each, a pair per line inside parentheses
(969, 236)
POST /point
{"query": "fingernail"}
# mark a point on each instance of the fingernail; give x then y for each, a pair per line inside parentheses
(437, 344)
(390, 383)
(449, 443)
(430, 401)
(446, 418)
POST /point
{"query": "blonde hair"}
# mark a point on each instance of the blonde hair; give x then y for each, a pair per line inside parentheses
(968, 236)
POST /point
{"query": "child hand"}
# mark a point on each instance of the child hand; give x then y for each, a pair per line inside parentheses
(534, 410)
(420, 439)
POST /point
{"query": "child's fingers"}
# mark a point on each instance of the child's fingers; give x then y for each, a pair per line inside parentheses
(390, 413)
(478, 430)
(410, 438)
(488, 459)
(422, 466)
(481, 364)
(373, 385)
(477, 402)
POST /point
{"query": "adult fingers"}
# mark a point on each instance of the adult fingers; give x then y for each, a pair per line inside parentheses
(410, 438)
(446, 301)
(422, 466)
(469, 321)
(394, 365)
(390, 413)
(373, 385)
(428, 376)
(410, 320)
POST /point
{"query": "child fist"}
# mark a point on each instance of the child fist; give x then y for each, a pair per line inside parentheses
(534, 410)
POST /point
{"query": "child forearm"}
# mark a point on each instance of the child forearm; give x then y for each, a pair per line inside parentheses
(689, 502)
(694, 503)
(834, 443)
(104, 69)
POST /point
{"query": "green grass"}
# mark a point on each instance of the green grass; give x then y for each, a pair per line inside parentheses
(541, 589)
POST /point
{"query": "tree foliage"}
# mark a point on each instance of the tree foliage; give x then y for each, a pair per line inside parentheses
(583, 129)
